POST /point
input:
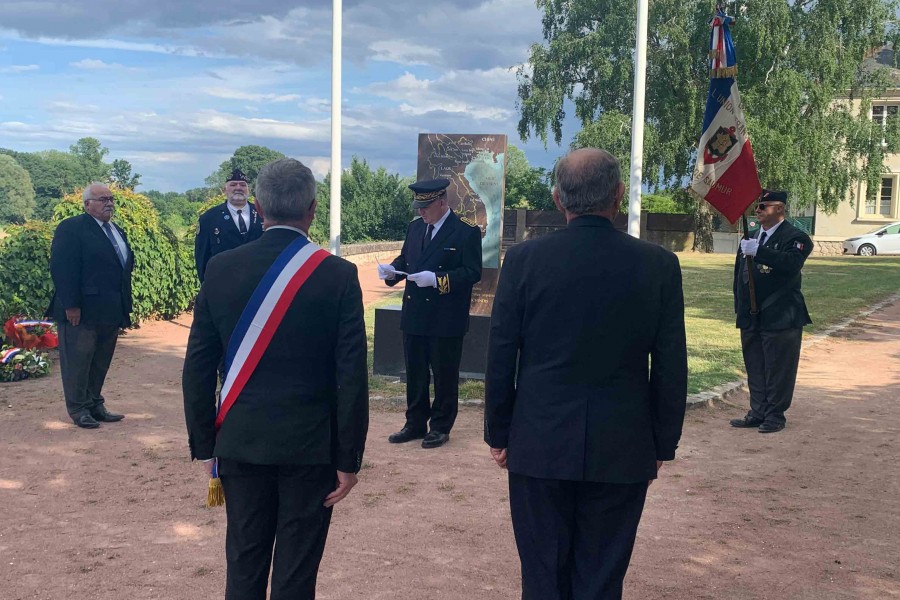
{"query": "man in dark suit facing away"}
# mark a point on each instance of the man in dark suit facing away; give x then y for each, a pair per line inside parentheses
(293, 439)
(91, 264)
(586, 385)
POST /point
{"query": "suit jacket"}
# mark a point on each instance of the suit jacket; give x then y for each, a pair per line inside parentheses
(218, 233)
(307, 402)
(587, 360)
(87, 274)
(777, 280)
(454, 255)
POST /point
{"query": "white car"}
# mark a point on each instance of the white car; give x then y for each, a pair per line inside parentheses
(884, 240)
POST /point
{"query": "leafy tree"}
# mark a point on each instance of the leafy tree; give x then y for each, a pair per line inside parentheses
(16, 193)
(90, 154)
(201, 194)
(249, 159)
(120, 173)
(526, 186)
(375, 205)
(53, 175)
(801, 67)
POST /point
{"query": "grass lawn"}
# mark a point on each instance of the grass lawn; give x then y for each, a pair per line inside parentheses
(835, 288)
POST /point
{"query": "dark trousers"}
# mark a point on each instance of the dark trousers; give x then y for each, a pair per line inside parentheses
(574, 537)
(280, 506)
(425, 355)
(771, 359)
(85, 352)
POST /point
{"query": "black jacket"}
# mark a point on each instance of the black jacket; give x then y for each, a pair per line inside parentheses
(587, 360)
(218, 233)
(454, 255)
(87, 274)
(777, 280)
(307, 401)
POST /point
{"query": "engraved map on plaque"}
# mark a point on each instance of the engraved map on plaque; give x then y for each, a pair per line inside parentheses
(475, 165)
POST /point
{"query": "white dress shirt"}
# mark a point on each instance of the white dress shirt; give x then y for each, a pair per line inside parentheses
(245, 213)
(123, 247)
(437, 225)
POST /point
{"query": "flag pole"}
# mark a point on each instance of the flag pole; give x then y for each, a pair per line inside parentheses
(637, 121)
(754, 309)
(335, 199)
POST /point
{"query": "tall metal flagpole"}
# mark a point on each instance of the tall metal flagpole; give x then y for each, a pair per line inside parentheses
(637, 121)
(335, 201)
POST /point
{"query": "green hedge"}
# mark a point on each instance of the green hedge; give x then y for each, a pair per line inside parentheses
(164, 282)
(25, 284)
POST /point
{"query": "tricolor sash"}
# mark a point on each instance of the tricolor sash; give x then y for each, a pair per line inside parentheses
(263, 315)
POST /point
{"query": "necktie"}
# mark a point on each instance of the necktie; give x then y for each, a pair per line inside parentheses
(108, 229)
(762, 238)
(242, 226)
(428, 231)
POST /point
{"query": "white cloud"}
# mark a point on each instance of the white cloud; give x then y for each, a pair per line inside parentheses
(232, 94)
(66, 107)
(403, 52)
(233, 125)
(93, 64)
(19, 68)
(478, 94)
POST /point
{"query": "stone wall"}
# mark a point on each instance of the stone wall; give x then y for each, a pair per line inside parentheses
(827, 248)
(362, 254)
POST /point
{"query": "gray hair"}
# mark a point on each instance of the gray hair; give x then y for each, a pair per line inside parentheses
(587, 180)
(86, 194)
(286, 189)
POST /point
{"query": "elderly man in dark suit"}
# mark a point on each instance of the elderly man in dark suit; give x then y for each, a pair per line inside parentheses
(771, 340)
(586, 385)
(91, 264)
(442, 257)
(228, 225)
(291, 444)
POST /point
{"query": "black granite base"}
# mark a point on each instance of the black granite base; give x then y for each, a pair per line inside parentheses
(389, 345)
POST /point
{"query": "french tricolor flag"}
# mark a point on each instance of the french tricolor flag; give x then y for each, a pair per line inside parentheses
(725, 174)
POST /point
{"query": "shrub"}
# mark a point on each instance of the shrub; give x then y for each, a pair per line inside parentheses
(25, 284)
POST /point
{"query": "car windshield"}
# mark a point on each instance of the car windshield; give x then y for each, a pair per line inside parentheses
(876, 230)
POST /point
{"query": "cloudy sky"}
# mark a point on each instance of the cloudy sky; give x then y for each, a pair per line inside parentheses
(176, 86)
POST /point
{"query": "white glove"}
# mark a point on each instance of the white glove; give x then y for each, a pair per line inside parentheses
(424, 279)
(386, 272)
(749, 247)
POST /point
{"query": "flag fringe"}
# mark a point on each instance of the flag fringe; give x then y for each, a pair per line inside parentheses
(216, 494)
(723, 72)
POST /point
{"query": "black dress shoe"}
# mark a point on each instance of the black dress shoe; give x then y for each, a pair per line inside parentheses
(435, 439)
(747, 421)
(770, 427)
(86, 421)
(104, 416)
(405, 435)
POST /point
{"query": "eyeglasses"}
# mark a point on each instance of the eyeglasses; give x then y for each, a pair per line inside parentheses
(764, 206)
(104, 199)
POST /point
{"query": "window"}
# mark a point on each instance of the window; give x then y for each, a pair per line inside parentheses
(882, 205)
(880, 110)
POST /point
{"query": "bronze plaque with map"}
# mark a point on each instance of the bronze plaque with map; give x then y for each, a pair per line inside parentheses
(475, 164)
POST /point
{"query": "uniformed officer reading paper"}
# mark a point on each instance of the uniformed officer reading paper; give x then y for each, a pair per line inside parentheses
(442, 255)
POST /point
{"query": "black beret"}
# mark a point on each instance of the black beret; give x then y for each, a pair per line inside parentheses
(237, 175)
(774, 196)
(428, 190)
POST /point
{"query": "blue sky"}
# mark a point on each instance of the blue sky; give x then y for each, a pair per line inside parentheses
(175, 87)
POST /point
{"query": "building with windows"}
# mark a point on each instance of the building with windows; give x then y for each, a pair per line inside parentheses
(864, 215)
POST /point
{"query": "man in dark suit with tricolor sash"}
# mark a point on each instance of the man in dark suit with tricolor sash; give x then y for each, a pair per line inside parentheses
(287, 331)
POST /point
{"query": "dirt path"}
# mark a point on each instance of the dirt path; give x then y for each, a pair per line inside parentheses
(809, 513)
